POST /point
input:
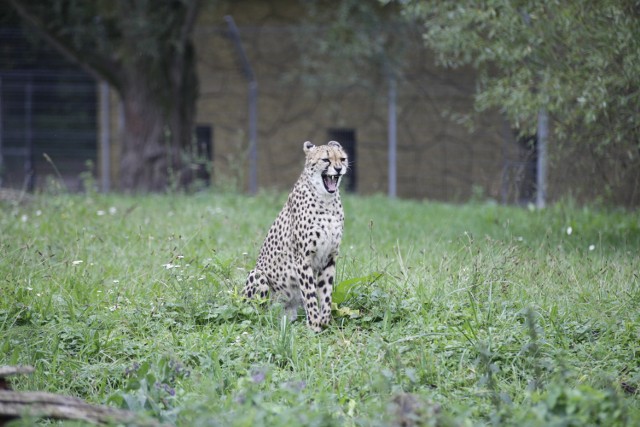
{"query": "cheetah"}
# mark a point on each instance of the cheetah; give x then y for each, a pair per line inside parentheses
(297, 261)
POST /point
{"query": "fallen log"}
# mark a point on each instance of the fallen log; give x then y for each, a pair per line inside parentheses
(16, 404)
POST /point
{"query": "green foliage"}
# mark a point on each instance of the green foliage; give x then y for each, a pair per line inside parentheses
(579, 406)
(444, 315)
(578, 59)
(346, 288)
(151, 388)
(352, 43)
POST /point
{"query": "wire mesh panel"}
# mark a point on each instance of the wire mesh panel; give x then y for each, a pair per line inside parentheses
(48, 124)
(49, 127)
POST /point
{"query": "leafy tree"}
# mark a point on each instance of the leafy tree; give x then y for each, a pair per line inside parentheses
(578, 59)
(143, 49)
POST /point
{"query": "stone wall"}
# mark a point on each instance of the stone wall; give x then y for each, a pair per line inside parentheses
(437, 157)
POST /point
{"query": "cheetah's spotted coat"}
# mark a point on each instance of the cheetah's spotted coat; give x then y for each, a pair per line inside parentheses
(297, 259)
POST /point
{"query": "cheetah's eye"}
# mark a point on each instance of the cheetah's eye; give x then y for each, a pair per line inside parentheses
(326, 160)
(342, 159)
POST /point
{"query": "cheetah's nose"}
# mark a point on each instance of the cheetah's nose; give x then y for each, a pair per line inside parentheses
(338, 169)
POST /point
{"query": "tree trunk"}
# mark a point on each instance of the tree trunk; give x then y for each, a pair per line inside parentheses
(156, 151)
(142, 156)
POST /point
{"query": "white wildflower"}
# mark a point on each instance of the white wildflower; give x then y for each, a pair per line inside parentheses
(76, 262)
(24, 218)
(112, 210)
(592, 247)
(38, 212)
(101, 213)
(169, 266)
(569, 230)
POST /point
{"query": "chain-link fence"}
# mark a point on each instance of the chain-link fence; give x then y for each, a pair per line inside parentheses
(49, 125)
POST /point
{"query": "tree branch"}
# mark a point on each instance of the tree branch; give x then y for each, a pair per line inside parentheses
(189, 21)
(185, 33)
(98, 66)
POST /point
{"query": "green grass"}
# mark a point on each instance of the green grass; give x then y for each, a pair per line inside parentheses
(448, 314)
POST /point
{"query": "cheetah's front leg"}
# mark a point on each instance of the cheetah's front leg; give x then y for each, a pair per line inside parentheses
(256, 285)
(325, 287)
(309, 296)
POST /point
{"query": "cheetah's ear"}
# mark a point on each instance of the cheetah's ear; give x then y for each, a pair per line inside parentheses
(334, 144)
(308, 146)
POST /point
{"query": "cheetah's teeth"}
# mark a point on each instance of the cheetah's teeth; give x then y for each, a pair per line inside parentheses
(330, 182)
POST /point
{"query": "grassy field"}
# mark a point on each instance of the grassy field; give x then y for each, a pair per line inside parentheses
(445, 314)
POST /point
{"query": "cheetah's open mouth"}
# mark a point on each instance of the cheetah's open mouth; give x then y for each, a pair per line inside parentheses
(330, 182)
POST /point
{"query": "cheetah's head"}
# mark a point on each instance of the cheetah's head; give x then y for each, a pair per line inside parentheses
(325, 164)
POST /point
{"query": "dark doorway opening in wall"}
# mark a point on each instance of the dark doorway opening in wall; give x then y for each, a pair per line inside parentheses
(204, 153)
(347, 138)
(529, 183)
(520, 169)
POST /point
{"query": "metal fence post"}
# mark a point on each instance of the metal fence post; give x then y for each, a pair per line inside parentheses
(541, 184)
(29, 169)
(253, 104)
(392, 136)
(105, 136)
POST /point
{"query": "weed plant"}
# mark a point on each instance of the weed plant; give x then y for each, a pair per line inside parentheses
(444, 314)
